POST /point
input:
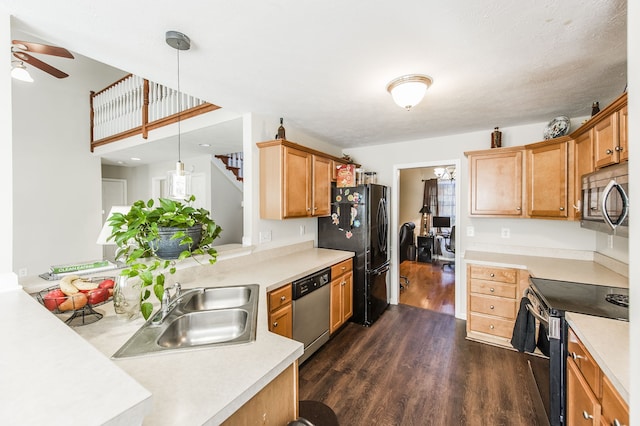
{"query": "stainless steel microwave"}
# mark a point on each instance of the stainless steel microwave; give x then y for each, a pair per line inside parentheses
(605, 200)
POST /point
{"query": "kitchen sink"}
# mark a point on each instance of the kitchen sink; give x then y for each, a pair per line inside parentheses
(217, 298)
(199, 318)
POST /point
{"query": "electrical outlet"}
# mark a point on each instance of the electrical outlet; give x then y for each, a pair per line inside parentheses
(470, 231)
(610, 241)
(506, 233)
(23, 272)
(265, 236)
(302, 229)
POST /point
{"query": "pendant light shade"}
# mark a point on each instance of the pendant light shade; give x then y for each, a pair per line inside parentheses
(19, 72)
(407, 91)
(178, 180)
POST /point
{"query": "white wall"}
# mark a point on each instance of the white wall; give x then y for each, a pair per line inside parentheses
(226, 207)
(6, 165)
(57, 190)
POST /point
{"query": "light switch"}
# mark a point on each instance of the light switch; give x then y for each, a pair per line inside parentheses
(470, 231)
(506, 233)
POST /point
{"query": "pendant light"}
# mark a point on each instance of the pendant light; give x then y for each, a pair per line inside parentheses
(179, 180)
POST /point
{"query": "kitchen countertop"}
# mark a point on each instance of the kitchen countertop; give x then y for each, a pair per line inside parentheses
(200, 386)
(606, 339)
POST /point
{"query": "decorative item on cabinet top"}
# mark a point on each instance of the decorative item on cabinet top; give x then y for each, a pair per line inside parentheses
(557, 127)
(496, 138)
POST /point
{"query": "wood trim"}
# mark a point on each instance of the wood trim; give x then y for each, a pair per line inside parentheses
(294, 145)
(91, 115)
(604, 114)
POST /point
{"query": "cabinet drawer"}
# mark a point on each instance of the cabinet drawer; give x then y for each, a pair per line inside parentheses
(583, 407)
(493, 288)
(505, 275)
(489, 305)
(341, 268)
(584, 362)
(613, 406)
(491, 325)
(280, 297)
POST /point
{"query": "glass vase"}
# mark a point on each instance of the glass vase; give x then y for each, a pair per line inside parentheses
(126, 297)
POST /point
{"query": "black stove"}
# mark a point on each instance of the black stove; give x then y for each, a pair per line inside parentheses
(588, 299)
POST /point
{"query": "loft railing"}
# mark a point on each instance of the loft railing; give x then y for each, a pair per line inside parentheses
(133, 105)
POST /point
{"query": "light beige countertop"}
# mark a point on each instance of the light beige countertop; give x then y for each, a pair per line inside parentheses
(206, 386)
(606, 339)
(580, 271)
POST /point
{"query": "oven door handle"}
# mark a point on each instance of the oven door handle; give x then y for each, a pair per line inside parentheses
(537, 315)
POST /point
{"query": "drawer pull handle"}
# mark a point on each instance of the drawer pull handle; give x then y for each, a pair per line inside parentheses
(344, 268)
(275, 324)
(491, 326)
(283, 298)
(561, 209)
(576, 356)
(609, 152)
(586, 415)
(492, 289)
(492, 275)
(492, 307)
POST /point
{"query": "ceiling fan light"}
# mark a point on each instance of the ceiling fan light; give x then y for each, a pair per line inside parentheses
(407, 91)
(19, 72)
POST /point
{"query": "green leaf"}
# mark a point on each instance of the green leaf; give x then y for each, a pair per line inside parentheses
(184, 254)
(146, 277)
(146, 308)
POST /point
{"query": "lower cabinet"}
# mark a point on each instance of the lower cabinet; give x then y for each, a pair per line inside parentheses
(341, 294)
(493, 302)
(281, 311)
(275, 404)
(591, 398)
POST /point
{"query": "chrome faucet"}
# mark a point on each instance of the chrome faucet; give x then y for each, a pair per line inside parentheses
(167, 303)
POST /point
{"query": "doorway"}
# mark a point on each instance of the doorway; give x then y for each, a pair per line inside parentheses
(427, 274)
(114, 193)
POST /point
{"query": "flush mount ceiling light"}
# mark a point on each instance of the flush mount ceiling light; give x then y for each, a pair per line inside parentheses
(407, 91)
(19, 72)
(179, 180)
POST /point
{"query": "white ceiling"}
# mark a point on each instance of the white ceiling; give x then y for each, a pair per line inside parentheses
(324, 66)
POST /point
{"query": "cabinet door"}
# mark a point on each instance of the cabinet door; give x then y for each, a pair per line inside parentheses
(583, 164)
(347, 296)
(335, 315)
(296, 183)
(583, 407)
(623, 145)
(496, 184)
(605, 141)
(321, 192)
(613, 406)
(281, 321)
(547, 180)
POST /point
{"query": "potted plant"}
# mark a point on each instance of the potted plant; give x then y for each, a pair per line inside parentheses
(152, 238)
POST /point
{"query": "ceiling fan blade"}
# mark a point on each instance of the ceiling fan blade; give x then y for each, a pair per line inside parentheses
(39, 64)
(42, 48)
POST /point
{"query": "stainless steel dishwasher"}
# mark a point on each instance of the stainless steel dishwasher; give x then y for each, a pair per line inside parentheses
(311, 299)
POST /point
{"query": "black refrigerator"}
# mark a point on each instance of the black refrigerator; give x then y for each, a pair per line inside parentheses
(359, 222)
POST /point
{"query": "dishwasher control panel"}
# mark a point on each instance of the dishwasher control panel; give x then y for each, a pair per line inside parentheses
(306, 285)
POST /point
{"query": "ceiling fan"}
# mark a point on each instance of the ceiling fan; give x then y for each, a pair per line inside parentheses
(20, 49)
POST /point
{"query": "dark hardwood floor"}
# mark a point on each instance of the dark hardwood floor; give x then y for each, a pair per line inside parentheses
(414, 367)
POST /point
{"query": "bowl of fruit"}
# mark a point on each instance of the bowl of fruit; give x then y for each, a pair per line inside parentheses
(78, 296)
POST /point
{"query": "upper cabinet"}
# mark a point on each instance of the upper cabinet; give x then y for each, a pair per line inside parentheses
(295, 181)
(548, 178)
(496, 182)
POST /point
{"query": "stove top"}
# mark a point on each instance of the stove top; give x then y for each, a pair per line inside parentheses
(588, 299)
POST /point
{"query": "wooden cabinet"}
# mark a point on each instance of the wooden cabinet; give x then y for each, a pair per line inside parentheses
(610, 133)
(281, 311)
(582, 164)
(294, 181)
(591, 398)
(548, 178)
(493, 301)
(275, 404)
(496, 182)
(341, 308)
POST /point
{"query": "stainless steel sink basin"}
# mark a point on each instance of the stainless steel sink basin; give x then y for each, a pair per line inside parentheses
(200, 318)
(204, 328)
(217, 298)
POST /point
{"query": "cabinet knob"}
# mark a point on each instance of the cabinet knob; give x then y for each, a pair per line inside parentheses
(275, 324)
(561, 209)
(619, 148)
(343, 283)
(518, 208)
(492, 275)
(283, 298)
(491, 326)
(609, 152)
(616, 422)
(492, 289)
(308, 209)
(344, 268)
(586, 415)
(492, 307)
(576, 356)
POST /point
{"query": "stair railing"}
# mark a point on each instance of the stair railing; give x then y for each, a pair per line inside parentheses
(133, 105)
